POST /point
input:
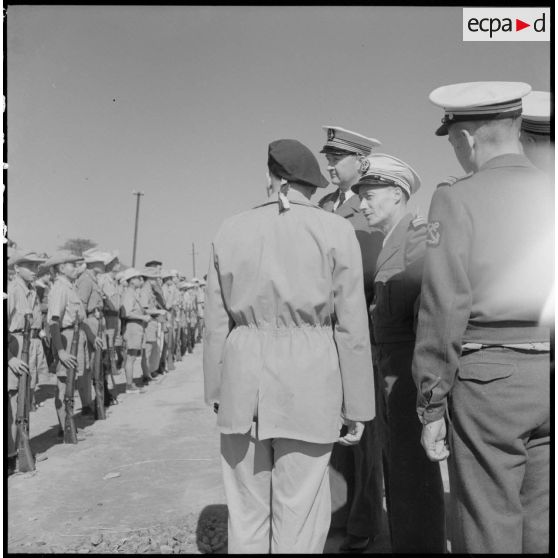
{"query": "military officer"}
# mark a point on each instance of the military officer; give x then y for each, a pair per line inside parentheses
(63, 304)
(360, 465)
(482, 360)
(22, 300)
(414, 490)
(535, 137)
(136, 319)
(286, 342)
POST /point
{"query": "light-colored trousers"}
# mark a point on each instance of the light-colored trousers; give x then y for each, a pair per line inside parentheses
(278, 494)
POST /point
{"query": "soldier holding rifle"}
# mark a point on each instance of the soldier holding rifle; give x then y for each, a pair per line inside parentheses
(22, 301)
(92, 298)
(63, 306)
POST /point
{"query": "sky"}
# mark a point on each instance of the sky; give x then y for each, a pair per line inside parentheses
(181, 103)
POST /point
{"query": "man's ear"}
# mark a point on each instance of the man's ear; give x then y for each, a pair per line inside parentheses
(466, 136)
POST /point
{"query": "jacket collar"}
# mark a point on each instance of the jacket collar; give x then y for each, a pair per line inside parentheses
(507, 160)
(393, 243)
(294, 197)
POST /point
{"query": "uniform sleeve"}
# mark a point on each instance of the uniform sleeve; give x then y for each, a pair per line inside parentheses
(56, 303)
(84, 288)
(218, 325)
(12, 304)
(351, 331)
(445, 304)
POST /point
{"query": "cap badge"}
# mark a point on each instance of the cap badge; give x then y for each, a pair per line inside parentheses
(330, 133)
(364, 165)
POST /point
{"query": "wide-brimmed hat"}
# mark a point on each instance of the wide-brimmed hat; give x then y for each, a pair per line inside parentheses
(63, 256)
(24, 256)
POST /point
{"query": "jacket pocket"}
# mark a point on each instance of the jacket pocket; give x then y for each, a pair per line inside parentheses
(483, 371)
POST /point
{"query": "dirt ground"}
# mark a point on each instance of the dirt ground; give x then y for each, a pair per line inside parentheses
(146, 480)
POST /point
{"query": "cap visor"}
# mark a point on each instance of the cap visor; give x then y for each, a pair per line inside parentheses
(442, 130)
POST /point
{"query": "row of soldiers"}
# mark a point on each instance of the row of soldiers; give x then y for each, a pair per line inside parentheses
(85, 320)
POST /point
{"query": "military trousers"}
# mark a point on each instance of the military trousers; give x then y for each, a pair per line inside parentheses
(356, 479)
(499, 412)
(277, 494)
(414, 488)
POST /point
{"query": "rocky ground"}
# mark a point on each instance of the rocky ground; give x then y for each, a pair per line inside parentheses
(146, 480)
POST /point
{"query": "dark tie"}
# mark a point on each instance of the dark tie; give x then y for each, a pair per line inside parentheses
(341, 199)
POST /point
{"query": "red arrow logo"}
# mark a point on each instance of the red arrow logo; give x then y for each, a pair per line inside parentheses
(519, 25)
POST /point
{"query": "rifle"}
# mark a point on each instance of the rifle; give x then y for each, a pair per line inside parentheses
(70, 430)
(26, 460)
(99, 377)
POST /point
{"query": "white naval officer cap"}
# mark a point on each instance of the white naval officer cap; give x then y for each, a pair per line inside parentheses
(537, 108)
(478, 100)
(340, 140)
(387, 170)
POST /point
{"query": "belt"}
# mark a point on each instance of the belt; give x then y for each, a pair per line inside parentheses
(34, 332)
(91, 312)
(67, 327)
(134, 321)
(541, 347)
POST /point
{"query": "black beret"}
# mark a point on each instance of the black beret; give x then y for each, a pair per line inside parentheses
(293, 161)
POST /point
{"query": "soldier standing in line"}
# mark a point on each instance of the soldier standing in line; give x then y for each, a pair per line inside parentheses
(22, 300)
(191, 315)
(63, 304)
(92, 299)
(170, 296)
(151, 355)
(481, 361)
(200, 305)
(157, 290)
(112, 301)
(360, 465)
(136, 319)
(414, 489)
(43, 284)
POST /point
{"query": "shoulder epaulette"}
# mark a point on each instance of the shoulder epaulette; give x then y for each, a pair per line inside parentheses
(418, 222)
(451, 180)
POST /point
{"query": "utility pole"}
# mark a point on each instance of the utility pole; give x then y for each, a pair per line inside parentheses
(193, 259)
(137, 194)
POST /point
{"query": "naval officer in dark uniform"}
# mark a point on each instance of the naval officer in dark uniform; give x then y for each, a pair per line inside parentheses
(414, 489)
(481, 361)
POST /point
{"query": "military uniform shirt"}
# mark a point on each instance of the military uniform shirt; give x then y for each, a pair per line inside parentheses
(64, 301)
(89, 291)
(22, 300)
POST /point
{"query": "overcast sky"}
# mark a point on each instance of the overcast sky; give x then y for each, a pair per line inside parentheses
(181, 103)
